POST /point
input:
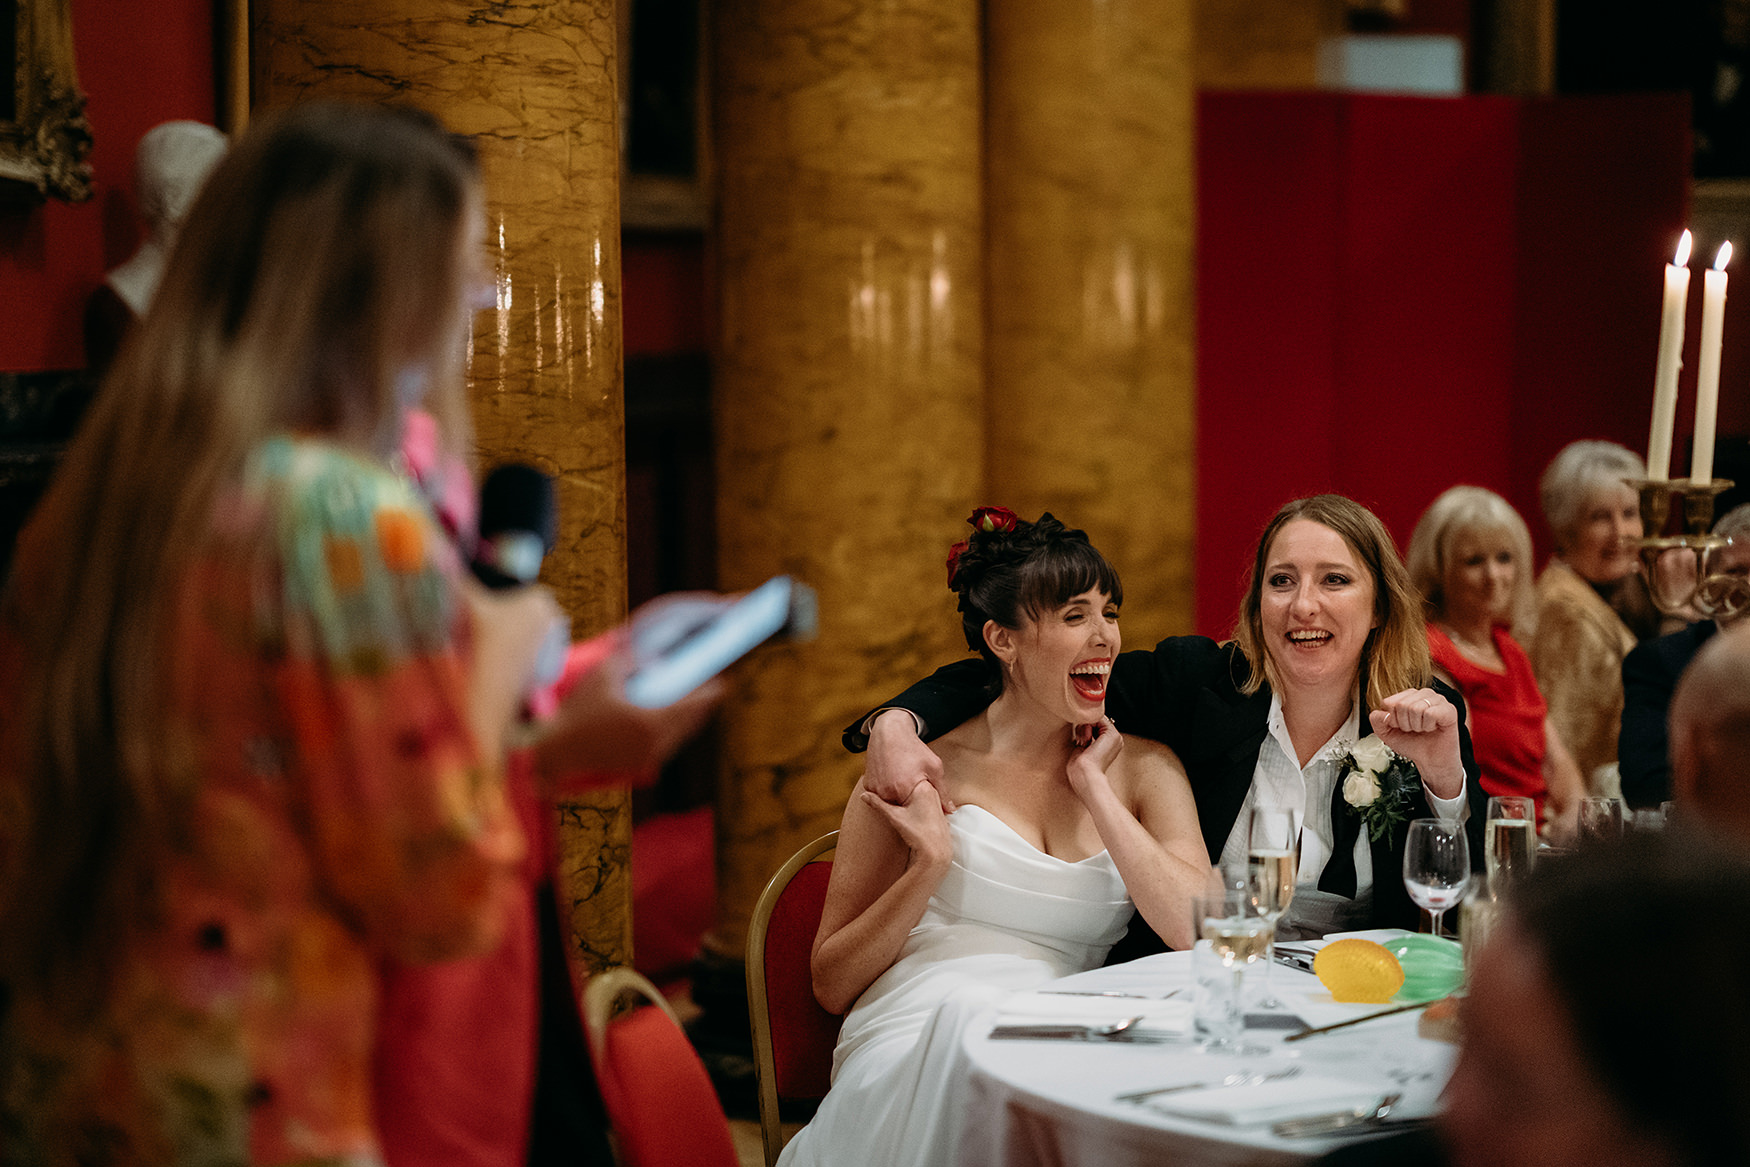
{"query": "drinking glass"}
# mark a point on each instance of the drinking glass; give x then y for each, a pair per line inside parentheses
(1236, 935)
(1646, 820)
(1436, 865)
(1510, 839)
(1272, 862)
(1600, 819)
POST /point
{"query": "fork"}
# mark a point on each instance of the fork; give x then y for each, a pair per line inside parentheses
(1238, 1078)
(1072, 1032)
(1356, 1118)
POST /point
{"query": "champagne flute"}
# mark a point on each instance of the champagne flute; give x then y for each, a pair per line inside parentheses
(1511, 836)
(1436, 865)
(1272, 863)
(1228, 922)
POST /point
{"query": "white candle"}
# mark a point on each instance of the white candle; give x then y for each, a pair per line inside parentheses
(1670, 362)
(1707, 369)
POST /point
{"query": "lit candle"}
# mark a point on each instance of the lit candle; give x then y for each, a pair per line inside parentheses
(1707, 370)
(1670, 361)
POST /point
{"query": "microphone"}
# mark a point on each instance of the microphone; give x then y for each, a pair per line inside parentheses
(519, 521)
(518, 525)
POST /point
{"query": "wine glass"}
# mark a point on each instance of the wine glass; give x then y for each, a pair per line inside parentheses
(1231, 932)
(1600, 819)
(1436, 865)
(1272, 862)
(1511, 839)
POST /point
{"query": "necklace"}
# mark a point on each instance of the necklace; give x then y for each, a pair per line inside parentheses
(1482, 652)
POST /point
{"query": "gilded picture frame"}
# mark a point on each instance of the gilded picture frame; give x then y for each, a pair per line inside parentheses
(44, 136)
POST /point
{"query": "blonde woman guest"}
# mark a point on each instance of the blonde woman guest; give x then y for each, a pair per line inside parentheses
(1470, 556)
(1580, 639)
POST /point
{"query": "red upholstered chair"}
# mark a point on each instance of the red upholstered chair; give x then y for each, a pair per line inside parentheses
(793, 1037)
(660, 1102)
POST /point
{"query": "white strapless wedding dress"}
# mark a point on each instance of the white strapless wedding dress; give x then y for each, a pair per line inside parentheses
(1005, 919)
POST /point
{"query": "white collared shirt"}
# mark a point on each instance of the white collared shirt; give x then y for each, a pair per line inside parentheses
(1279, 780)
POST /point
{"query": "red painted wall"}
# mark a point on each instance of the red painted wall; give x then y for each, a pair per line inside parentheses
(1397, 295)
(140, 64)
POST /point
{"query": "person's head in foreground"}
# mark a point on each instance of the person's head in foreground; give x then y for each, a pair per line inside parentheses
(1470, 557)
(324, 272)
(1607, 1019)
(1710, 734)
(1328, 601)
(1592, 512)
(1040, 604)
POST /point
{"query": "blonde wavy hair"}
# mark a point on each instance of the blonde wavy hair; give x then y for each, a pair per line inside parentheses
(1465, 509)
(320, 268)
(1395, 654)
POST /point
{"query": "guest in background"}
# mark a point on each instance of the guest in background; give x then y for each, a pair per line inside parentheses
(171, 162)
(1598, 1032)
(1710, 734)
(1328, 649)
(259, 719)
(1650, 672)
(1470, 557)
(1581, 638)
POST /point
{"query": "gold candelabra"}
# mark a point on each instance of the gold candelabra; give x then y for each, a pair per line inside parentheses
(1710, 592)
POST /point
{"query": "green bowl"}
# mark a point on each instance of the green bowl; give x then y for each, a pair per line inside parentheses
(1433, 967)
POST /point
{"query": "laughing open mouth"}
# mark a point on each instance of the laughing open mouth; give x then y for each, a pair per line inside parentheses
(1308, 636)
(1090, 679)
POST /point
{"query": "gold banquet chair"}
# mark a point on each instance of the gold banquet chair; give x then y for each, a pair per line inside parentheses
(793, 1037)
(662, 1109)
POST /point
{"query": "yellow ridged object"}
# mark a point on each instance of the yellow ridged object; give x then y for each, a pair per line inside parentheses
(1359, 971)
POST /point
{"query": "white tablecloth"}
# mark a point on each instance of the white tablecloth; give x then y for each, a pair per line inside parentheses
(1054, 1103)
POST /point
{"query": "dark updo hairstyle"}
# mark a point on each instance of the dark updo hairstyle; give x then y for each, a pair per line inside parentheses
(1009, 569)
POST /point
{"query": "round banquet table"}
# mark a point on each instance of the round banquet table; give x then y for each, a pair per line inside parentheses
(1054, 1103)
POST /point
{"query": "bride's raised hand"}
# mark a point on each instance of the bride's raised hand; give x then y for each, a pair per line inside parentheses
(919, 823)
(1421, 725)
(1092, 758)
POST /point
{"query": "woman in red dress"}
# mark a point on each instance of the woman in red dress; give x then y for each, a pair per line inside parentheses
(1470, 555)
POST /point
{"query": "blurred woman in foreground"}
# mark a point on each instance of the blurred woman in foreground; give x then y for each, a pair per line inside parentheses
(1470, 557)
(259, 717)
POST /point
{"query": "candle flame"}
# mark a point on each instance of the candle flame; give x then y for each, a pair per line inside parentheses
(1724, 257)
(1683, 246)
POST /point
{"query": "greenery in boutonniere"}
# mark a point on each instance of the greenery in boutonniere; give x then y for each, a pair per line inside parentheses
(1377, 784)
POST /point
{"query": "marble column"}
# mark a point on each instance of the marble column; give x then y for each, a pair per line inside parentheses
(534, 86)
(847, 393)
(1091, 148)
(1263, 44)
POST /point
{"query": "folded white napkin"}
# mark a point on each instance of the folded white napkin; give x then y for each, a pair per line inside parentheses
(1158, 1017)
(1306, 1094)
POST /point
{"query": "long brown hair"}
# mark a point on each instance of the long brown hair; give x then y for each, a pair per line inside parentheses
(1395, 655)
(319, 267)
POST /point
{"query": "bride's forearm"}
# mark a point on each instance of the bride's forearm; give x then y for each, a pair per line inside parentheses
(848, 961)
(1161, 883)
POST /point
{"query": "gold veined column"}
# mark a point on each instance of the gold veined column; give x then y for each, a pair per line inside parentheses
(534, 86)
(847, 392)
(1263, 44)
(1091, 402)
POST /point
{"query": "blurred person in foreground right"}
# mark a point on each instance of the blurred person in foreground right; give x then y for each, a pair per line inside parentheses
(1710, 735)
(1608, 1016)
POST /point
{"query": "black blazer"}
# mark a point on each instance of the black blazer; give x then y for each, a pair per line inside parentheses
(1649, 677)
(1185, 692)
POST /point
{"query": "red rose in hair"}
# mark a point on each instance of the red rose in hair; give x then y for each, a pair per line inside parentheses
(954, 554)
(994, 519)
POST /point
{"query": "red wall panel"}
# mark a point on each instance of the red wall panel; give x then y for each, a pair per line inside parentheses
(140, 64)
(1398, 294)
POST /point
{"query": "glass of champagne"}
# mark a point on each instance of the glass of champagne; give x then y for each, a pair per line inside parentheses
(1436, 865)
(1272, 863)
(1510, 832)
(1228, 922)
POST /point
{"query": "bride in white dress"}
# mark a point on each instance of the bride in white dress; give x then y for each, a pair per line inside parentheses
(1023, 870)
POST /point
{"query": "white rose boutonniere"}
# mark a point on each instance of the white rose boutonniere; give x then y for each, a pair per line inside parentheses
(1377, 785)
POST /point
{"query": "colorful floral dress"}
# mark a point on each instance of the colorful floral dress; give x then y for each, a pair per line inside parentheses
(337, 813)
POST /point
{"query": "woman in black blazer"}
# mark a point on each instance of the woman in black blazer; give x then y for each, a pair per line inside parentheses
(1330, 619)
